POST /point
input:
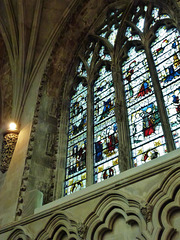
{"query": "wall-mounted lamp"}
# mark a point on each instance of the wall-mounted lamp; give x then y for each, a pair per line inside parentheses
(12, 126)
(10, 138)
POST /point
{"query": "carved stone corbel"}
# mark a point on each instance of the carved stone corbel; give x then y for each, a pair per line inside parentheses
(82, 230)
(146, 210)
(8, 146)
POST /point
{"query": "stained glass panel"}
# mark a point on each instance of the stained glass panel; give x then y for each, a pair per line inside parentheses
(138, 18)
(105, 128)
(88, 54)
(166, 54)
(131, 36)
(76, 156)
(104, 55)
(140, 23)
(146, 132)
(110, 27)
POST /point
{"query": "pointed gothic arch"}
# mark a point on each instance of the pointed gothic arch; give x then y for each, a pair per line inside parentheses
(121, 45)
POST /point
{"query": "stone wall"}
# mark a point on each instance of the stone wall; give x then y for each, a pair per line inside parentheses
(141, 203)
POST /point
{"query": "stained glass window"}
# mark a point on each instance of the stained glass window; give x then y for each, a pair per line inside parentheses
(109, 28)
(146, 133)
(76, 156)
(166, 54)
(105, 128)
(145, 116)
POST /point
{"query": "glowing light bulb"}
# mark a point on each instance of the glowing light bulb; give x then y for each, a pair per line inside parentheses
(12, 126)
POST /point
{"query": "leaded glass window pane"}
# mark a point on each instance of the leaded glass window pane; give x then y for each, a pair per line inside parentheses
(166, 54)
(105, 128)
(76, 156)
(110, 27)
(146, 132)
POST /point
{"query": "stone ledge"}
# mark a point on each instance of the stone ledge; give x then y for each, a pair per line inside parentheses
(123, 179)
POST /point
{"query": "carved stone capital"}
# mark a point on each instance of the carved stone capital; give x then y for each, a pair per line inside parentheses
(82, 230)
(146, 210)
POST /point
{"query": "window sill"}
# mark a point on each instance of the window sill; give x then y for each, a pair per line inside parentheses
(126, 178)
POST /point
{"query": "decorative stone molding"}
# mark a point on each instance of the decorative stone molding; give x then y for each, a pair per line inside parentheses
(146, 210)
(111, 207)
(82, 230)
(24, 183)
(59, 225)
(20, 234)
(8, 146)
(166, 202)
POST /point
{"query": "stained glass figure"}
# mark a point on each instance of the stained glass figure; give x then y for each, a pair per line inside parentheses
(144, 89)
(144, 121)
(76, 157)
(168, 68)
(105, 128)
(146, 133)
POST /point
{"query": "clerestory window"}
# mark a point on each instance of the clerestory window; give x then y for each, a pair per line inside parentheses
(125, 110)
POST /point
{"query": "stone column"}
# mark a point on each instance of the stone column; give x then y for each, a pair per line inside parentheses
(125, 161)
(90, 136)
(62, 151)
(160, 102)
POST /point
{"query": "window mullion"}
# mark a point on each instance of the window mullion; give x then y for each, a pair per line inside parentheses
(90, 130)
(122, 121)
(158, 93)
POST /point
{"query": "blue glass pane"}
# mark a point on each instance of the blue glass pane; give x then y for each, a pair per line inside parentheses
(166, 54)
(76, 156)
(146, 132)
(105, 128)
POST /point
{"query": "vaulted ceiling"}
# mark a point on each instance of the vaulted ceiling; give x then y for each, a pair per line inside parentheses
(31, 32)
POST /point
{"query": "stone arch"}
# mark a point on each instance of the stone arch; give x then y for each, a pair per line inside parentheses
(60, 226)
(0, 108)
(20, 233)
(166, 206)
(116, 209)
